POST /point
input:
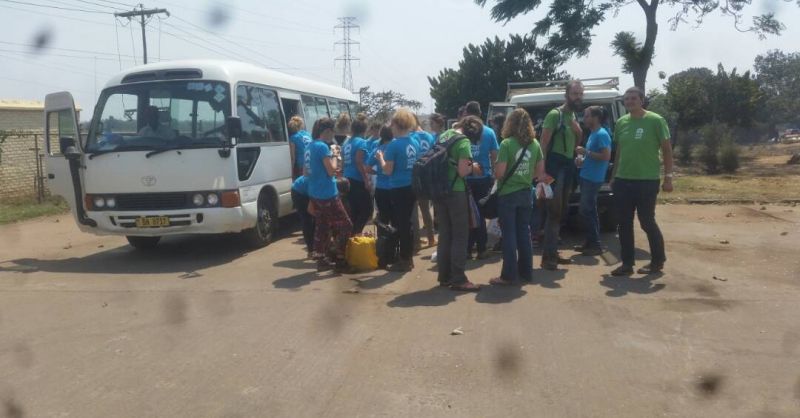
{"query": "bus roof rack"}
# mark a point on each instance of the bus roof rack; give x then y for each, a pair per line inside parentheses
(527, 87)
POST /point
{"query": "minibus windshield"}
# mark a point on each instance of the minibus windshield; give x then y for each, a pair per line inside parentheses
(160, 115)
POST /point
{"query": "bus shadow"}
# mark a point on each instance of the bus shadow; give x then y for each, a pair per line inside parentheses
(185, 254)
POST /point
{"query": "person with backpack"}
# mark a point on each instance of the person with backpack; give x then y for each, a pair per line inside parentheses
(383, 200)
(425, 141)
(398, 162)
(443, 178)
(519, 161)
(355, 170)
(593, 162)
(640, 137)
(484, 154)
(332, 222)
(299, 138)
(560, 135)
(300, 201)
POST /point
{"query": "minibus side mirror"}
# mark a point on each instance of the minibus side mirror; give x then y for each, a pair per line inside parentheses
(233, 129)
(64, 143)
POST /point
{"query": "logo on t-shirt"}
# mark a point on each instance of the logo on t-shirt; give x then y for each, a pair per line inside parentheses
(348, 148)
(639, 133)
(424, 146)
(476, 151)
(524, 167)
(307, 160)
(411, 154)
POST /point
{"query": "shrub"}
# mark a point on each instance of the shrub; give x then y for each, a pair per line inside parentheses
(684, 143)
(729, 157)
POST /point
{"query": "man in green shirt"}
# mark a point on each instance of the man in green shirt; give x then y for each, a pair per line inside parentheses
(639, 137)
(560, 134)
(453, 212)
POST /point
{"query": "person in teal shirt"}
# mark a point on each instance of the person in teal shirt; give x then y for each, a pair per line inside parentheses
(593, 162)
(355, 150)
(299, 138)
(484, 154)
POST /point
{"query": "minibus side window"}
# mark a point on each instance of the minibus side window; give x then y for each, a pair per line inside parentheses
(335, 109)
(310, 111)
(322, 108)
(260, 112)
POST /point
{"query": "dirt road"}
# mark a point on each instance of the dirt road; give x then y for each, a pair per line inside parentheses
(202, 328)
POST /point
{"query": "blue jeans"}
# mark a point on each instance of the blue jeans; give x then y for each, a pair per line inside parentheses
(588, 211)
(515, 216)
(536, 215)
(556, 208)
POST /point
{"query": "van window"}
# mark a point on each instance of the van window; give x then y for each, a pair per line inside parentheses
(335, 109)
(345, 107)
(260, 112)
(322, 108)
(310, 111)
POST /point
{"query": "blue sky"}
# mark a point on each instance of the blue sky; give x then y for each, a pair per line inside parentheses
(402, 42)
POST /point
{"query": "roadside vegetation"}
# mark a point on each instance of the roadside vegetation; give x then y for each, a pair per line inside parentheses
(22, 209)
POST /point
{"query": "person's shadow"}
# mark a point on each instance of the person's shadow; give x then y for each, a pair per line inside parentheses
(548, 279)
(499, 294)
(621, 286)
(436, 296)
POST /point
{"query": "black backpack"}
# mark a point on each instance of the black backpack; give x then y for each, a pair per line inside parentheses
(430, 174)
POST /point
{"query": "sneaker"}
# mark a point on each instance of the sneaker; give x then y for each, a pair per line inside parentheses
(592, 251)
(651, 268)
(580, 248)
(622, 270)
(561, 260)
(483, 255)
(324, 265)
(433, 257)
(550, 263)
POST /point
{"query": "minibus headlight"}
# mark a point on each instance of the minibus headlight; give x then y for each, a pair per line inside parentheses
(213, 199)
(198, 199)
(99, 202)
(111, 203)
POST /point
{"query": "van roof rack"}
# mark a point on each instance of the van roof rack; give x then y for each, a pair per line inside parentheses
(527, 87)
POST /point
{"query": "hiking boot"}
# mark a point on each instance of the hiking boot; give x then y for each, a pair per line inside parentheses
(550, 263)
(651, 268)
(622, 270)
(592, 251)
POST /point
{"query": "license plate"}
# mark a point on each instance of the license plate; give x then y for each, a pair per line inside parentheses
(152, 222)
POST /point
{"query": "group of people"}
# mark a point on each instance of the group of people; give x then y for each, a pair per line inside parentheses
(344, 169)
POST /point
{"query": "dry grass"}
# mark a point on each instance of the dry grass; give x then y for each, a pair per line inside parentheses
(764, 176)
(20, 210)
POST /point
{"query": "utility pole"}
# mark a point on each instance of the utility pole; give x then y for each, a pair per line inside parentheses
(346, 24)
(142, 13)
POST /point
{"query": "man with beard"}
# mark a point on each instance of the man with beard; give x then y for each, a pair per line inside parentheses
(561, 132)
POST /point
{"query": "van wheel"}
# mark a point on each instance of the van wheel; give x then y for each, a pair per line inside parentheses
(266, 224)
(143, 243)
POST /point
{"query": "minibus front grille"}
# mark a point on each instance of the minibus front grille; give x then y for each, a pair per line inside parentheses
(152, 201)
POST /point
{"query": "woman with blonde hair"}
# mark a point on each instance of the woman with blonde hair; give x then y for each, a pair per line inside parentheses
(519, 161)
(299, 138)
(342, 129)
(398, 163)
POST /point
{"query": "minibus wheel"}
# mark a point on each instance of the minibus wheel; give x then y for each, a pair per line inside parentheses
(143, 243)
(264, 231)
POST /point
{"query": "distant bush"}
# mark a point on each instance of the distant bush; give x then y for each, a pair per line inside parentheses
(719, 151)
(729, 157)
(684, 144)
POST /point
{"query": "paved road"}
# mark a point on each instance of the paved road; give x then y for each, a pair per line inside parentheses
(202, 328)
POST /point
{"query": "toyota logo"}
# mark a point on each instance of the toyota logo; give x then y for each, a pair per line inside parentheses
(149, 181)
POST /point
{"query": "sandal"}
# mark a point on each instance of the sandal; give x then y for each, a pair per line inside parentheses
(466, 286)
(499, 281)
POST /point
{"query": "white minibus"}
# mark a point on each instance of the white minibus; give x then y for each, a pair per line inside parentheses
(184, 147)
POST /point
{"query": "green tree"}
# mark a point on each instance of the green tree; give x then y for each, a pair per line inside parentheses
(380, 105)
(485, 70)
(569, 24)
(778, 76)
(736, 98)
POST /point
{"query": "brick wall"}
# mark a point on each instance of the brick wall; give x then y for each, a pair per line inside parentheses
(18, 165)
(13, 119)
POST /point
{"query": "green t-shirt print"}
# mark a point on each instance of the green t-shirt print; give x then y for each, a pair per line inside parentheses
(522, 178)
(562, 142)
(461, 150)
(639, 146)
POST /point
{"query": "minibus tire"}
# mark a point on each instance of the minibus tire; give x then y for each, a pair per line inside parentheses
(143, 243)
(264, 231)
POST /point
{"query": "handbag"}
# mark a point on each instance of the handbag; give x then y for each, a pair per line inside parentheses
(489, 203)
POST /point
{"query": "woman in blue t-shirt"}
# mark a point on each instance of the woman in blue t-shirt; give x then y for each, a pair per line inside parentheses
(298, 139)
(332, 221)
(355, 151)
(397, 161)
(383, 193)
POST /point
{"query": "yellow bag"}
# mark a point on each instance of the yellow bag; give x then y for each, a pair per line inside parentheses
(360, 253)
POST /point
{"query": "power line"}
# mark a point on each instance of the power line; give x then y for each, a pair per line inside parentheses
(71, 9)
(347, 24)
(142, 13)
